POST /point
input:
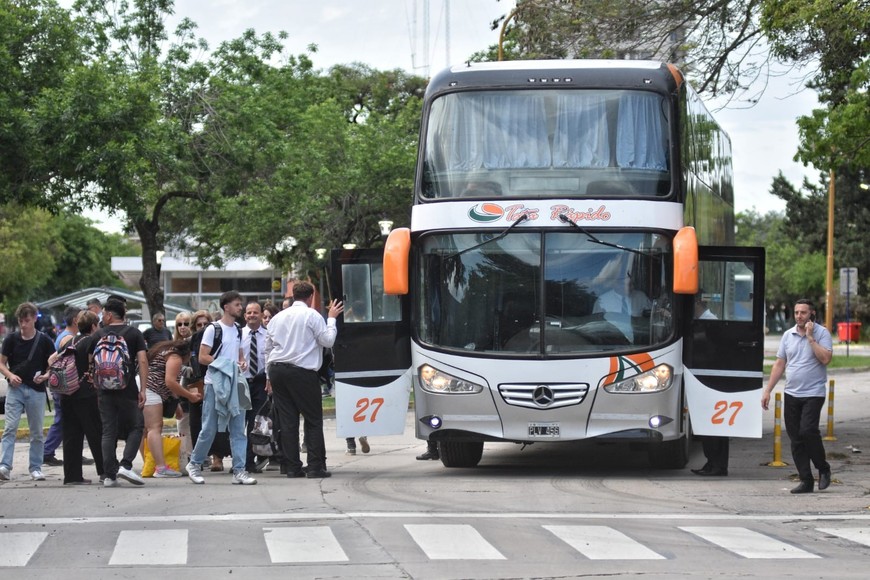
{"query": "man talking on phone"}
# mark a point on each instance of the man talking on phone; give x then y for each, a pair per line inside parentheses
(804, 353)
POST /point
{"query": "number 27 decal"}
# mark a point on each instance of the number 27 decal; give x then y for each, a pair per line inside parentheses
(363, 406)
(721, 408)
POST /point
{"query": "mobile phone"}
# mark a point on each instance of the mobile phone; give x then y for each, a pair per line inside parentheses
(813, 317)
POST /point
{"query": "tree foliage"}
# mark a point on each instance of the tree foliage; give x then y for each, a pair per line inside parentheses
(718, 43)
(28, 249)
(343, 160)
(228, 153)
(834, 37)
(38, 46)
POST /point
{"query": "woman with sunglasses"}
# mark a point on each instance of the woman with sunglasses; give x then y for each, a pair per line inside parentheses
(182, 326)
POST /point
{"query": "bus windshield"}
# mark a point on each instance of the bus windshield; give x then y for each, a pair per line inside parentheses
(544, 293)
(530, 143)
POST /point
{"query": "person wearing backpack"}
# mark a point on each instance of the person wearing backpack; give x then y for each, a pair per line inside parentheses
(226, 394)
(81, 412)
(117, 355)
(23, 361)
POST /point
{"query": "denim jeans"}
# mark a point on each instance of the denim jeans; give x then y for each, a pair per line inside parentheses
(23, 399)
(238, 438)
(54, 437)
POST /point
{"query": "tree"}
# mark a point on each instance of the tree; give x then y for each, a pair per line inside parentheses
(834, 37)
(38, 46)
(346, 163)
(145, 132)
(793, 269)
(82, 256)
(718, 43)
(28, 246)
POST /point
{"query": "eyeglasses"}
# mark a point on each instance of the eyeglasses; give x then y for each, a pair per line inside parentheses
(201, 324)
(182, 324)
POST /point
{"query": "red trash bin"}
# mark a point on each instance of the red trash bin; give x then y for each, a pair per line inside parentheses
(849, 331)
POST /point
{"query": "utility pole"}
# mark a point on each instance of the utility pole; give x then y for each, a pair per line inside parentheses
(829, 274)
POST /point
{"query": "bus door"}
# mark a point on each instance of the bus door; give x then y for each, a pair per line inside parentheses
(724, 343)
(373, 348)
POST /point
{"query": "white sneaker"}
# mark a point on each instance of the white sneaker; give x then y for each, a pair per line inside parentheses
(166, 471)
(37, 475)
(350, 451)
(109, 482)
(364, 444)
(5, 474)
(130, 476)
(243, 478)
(194, 472)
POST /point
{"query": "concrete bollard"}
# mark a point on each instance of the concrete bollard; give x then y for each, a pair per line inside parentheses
(830, 435)
(777, 433)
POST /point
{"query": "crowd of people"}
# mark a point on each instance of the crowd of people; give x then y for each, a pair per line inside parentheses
(212, 374)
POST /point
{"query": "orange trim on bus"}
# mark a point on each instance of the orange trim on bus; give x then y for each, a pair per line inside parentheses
(675, 72)
(397, 252)
(686, 261)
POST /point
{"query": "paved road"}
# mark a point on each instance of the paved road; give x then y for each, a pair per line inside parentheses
(548, 510)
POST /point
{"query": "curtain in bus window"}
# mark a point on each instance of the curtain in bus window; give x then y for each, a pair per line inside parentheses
(491, 131)
(640, 142)
(515, 132)
(582, 138)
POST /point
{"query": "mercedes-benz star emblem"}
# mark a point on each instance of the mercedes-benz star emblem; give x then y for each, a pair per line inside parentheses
(543, 396)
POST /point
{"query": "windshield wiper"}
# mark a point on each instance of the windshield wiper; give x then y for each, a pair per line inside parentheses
(565, 219)
(504, 232)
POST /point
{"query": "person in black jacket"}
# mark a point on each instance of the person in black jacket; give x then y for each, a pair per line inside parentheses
(80, 410)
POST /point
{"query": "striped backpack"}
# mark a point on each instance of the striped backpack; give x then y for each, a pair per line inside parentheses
(111, 364)
(63, 376)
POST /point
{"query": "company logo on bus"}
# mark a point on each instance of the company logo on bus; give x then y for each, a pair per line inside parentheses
(492, 212)
(486, 212)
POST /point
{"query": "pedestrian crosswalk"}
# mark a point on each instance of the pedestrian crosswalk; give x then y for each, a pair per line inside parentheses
(296, 543)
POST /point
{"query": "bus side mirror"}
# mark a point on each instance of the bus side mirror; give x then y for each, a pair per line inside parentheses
(397, 252)
(686, 261)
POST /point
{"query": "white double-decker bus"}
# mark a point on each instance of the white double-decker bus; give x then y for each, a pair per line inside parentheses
(569, 271)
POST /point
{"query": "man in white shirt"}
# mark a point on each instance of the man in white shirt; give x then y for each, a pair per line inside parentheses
(295, 339)
(230, 348)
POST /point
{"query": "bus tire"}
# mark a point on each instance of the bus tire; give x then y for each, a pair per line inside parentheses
(460, 453)
(669, 454)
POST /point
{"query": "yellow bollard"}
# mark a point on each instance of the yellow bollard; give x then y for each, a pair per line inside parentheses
(830, 436)
(777, 433)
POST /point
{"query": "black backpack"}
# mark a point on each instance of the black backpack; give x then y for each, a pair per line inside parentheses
(199, 369)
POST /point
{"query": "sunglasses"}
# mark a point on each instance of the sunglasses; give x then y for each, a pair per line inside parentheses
(201, 324)
(182, 324)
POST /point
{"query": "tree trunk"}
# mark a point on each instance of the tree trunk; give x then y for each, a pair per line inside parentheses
(150, 280)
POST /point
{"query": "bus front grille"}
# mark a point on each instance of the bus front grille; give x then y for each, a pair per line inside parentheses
(544, 396)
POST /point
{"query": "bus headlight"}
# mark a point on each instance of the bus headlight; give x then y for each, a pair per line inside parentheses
(435, 381)
(657, 379)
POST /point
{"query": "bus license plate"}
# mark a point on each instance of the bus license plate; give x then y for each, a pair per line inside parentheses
(550, 430)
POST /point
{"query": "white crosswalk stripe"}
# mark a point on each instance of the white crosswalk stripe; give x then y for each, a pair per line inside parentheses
(857, 535)
(747, 543)
(482, 541)
(603, 543)
(150, 548)
(303, 544)
(452, 542)
(19, 547)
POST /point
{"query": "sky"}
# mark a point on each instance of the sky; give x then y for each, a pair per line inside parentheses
(389, 34)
